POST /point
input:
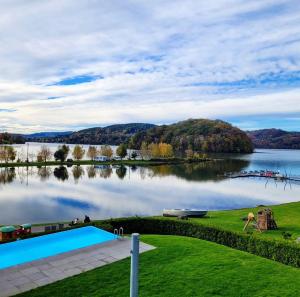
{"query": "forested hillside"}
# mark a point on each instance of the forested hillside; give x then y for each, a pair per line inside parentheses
(197, 134)
(275, 139)
(113, 135)
(6, 138)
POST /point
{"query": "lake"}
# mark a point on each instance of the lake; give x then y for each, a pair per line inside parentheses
(50, 194)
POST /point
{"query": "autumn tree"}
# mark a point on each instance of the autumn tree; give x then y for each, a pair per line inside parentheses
(7, 153)
(11, 153)
(165, 150)
(78, 152)
(106, 150)
(122, 151)
(154, 150)
(2, 154)
(144, 150)
(44, 154)
(92, 152)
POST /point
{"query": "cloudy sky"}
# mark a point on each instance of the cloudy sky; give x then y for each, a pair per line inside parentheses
(67, 65)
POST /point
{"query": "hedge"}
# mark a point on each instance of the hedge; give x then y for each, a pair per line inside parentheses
(285, 252)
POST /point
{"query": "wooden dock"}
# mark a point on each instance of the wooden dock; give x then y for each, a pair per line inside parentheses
(264, 174)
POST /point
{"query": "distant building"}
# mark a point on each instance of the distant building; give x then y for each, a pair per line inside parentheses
(102, 158)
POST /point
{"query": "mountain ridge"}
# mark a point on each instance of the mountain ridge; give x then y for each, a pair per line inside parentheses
(275, 139)
(262, 138)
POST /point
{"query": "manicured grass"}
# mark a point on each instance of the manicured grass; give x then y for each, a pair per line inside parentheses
(183, 267)
(287, 217)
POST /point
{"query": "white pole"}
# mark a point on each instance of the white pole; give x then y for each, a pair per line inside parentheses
(134, 273)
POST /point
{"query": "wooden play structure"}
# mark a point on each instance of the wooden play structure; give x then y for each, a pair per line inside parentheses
(251, 219)
(265, 220)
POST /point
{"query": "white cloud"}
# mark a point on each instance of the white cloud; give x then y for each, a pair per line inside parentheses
(161, 61)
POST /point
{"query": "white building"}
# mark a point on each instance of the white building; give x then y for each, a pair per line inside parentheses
(102, 158)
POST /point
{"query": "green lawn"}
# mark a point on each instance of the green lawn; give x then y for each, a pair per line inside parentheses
(183, 267)
(287, 217)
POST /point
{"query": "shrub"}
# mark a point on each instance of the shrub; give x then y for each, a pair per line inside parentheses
(285, 252)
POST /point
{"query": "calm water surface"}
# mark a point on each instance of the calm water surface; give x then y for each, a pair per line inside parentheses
(53, 193)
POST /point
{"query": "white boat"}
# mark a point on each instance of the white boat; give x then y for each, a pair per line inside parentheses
(184, 213)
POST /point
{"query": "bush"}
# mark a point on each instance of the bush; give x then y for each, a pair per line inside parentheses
(285, 252)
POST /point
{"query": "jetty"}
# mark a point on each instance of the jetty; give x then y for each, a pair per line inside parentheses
(264, 174)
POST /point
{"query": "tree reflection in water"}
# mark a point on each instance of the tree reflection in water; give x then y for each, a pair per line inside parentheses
(7, 175)
(61, 173)
(44, 172)
(78, 172)
(105, 171)
(121, 172)
(204, 171)
(91, 171)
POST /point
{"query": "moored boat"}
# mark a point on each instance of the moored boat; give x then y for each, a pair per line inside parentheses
(197, 213)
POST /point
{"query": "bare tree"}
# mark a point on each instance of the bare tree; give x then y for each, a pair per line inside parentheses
(92, 152)
(44, 154)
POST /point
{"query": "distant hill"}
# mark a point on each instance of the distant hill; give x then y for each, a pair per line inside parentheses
(113, 135)
(198, 134)
(275, 139)
(47, 134)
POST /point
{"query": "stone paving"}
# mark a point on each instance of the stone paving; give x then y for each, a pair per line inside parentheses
(24, 277)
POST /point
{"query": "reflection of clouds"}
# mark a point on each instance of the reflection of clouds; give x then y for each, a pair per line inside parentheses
(134, 194)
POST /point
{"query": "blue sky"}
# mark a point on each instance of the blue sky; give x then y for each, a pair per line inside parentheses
(67, 65)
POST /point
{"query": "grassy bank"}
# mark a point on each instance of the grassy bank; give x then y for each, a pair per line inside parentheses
(182, 266)
(113, 162)
(286, 216)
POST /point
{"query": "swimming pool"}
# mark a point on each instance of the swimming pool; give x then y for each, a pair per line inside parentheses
(22, 251)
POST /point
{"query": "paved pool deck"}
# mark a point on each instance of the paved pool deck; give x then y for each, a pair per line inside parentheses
(24, 277)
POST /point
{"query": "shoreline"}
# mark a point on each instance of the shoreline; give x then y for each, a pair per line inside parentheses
(113, 162)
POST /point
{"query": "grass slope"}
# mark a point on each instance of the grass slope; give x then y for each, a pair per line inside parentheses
(184, 267)
(287, 217)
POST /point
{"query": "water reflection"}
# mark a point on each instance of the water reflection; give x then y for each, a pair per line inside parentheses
(62, 193)
(105, 171)
(44, 172)
(61, 173)
(78, 172)
(7, 175)
(91, 171)
(121, 172)
(200, 171)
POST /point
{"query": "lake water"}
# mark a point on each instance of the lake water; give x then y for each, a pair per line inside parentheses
(60, 194)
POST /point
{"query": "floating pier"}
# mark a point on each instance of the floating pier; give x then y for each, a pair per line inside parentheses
(264, 174)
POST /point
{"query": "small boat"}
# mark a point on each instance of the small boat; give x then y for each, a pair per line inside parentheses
(197, 213)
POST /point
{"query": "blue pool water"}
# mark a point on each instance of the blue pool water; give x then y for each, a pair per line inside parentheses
(27, 250)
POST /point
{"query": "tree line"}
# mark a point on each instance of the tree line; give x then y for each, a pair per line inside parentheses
(147, 151)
